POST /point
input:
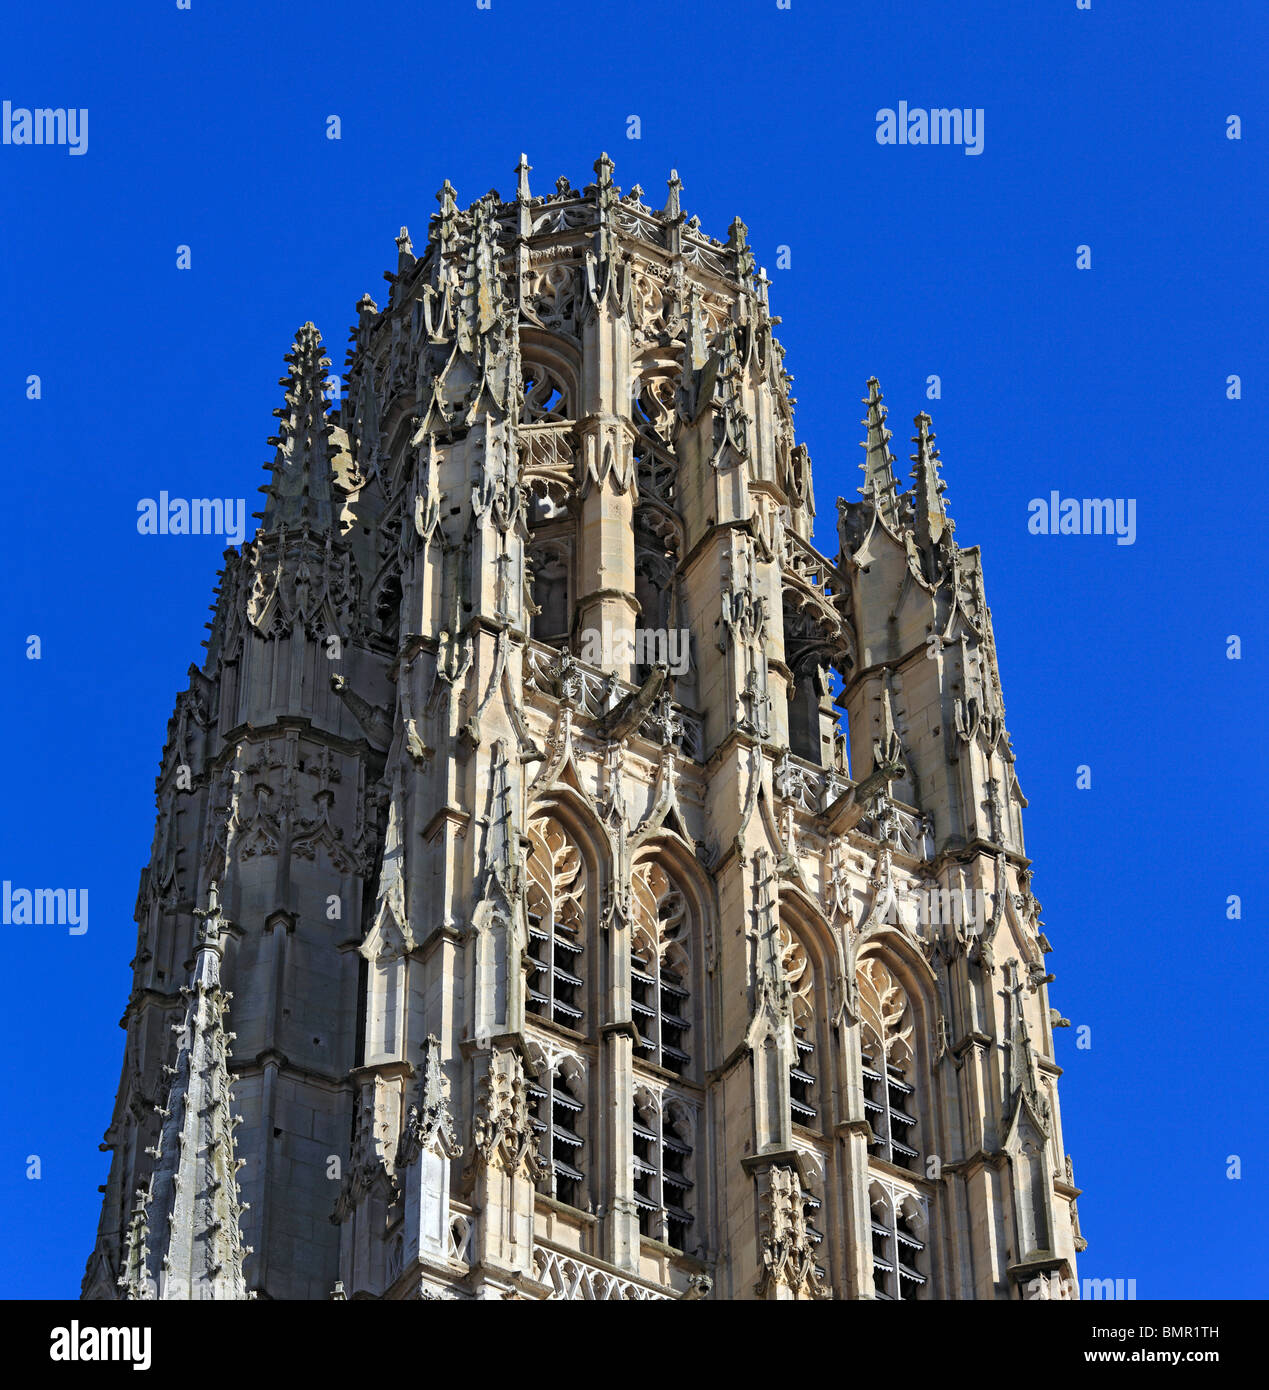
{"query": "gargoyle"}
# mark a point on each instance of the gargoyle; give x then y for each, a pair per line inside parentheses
(375, 721)
(626, 716)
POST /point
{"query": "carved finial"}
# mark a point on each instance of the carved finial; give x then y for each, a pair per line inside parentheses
(603, 170)
(672, 208)
(522, 179)
(887, 750)
(212, 924)
(764, 286)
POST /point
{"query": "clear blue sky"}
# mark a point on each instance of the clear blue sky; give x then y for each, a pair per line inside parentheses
(1105, 128)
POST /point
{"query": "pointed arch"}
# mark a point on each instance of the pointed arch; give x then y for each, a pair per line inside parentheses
(576, 812)
(553, 353)
(797, 904)
(679, 858)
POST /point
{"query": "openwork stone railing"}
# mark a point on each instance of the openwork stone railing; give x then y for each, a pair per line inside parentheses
(813, 570)
(461, 1229)
(548, 450)
(572, 1279)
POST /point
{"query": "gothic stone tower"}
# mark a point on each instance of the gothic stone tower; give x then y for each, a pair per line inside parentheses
(563, 967)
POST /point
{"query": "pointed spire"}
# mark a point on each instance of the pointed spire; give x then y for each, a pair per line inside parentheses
(603, 170)
(300, 491)
(879, 486)
(928, 486)
(185, 1241)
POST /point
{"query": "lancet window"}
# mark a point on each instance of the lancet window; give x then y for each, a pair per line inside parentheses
(557, 926)
(886, 1036)
(660, 971)
(803, 1073)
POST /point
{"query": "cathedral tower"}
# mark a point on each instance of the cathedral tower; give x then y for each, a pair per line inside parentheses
(619, 898)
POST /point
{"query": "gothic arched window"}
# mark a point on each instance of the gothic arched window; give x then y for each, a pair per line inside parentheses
(557, 1102)
(660, 971)
(557, 922)
(886, 1039)
(662, 1160)
(800, 977)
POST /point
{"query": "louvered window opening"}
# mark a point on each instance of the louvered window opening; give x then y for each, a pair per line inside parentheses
(658, 999)
(896, 1252)
(811, 1206)
(661, 1184)
(554, 985)
(888, 1106)
(802, 1079)
(556, 1119)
